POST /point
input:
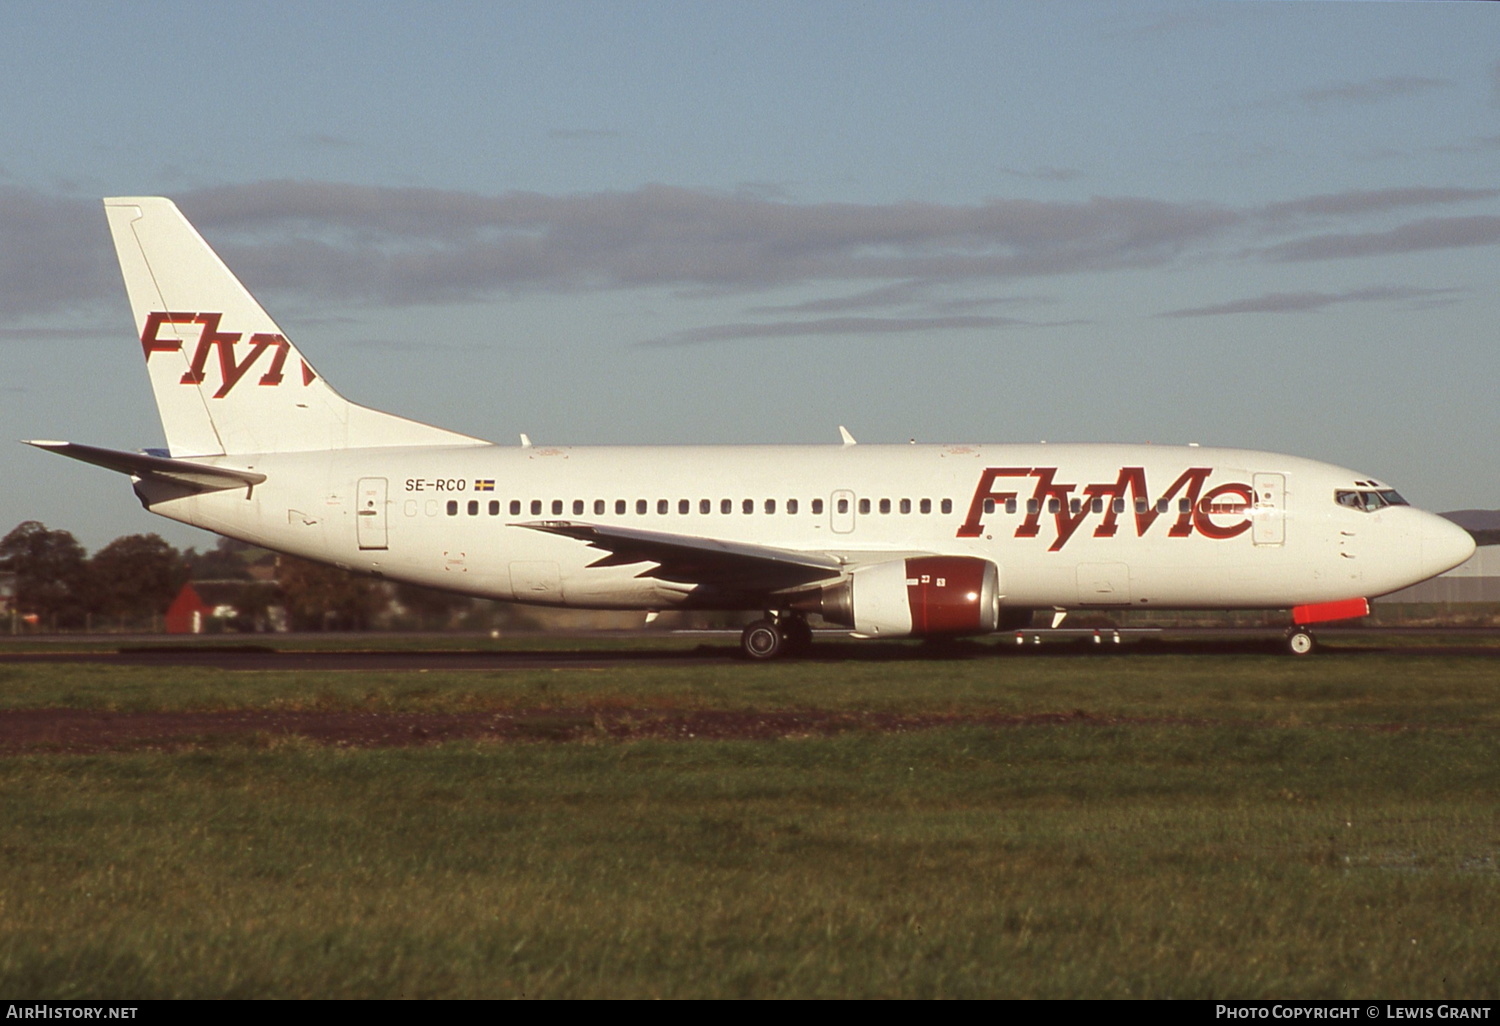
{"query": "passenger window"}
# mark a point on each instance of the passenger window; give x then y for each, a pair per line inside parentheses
(947, 506)
(705, 506)
(1184, 505)
(473, 507)
(1053, 506)
(411, 507)
(1033, 507)
(619, 507)
(1140, 505)
(817, 507)
(598, 507)
(748, 506)
(1010, 505)
(1162, 505)
(536, 507)
(557, 507)
(791, 506)
(432, 507)
(864, 506)
(1074, 506)
(770, 506)
(1118, 505)
(684, 507)
(925, 506)
(885, 506)
(578, 507)
(452, 507)
(726, 505)
(1097, 505)
(989, 505)
(905, 505)
(494, 507)
(515, 507)
(640, 507)
(663, 507)
(843, 505)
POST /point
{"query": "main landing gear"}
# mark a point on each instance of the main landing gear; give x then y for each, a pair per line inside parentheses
(775, 635)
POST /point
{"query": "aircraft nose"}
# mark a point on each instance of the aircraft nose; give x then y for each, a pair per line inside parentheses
(1444, 545)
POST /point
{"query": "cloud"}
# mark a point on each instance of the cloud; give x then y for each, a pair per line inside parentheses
(1169, 23)
(421, 245)
(1477, 144)
(1304, 302)
(334, 243)
(56, 334)
(901, 293)
(1043, 174)
(576, 134)
(831, 326)
(1415, 236)
(1372, 201)
(916, 295)
(55, 254)
(326, 140)
(1375, 90)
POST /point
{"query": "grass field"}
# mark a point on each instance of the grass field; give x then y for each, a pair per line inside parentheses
(1192, 826)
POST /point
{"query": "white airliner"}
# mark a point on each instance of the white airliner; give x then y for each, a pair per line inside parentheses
(886, 540)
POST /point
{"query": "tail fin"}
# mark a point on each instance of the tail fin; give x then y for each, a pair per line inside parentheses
(226, 378)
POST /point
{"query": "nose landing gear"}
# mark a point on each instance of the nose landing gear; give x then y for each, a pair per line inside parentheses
(1300, 642)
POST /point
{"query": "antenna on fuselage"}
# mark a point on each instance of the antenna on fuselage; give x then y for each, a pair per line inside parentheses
(846, 436)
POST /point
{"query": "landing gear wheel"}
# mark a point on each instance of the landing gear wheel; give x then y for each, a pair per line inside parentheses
(762, 640)
(798, 634)
(1299, 642)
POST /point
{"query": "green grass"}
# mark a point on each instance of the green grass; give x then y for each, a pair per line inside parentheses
(1252, 834)
(1400, 686)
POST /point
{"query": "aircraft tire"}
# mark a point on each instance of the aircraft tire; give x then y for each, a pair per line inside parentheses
(762, 640)
(1300, 642)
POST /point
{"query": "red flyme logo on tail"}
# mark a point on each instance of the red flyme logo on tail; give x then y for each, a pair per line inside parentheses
(231, 370)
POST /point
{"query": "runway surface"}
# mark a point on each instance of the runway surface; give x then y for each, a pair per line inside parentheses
(350, 653)
(65, 731)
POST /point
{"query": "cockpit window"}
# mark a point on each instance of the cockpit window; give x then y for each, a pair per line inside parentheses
(1369, 501)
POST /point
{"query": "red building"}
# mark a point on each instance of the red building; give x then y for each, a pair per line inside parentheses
(213, 606)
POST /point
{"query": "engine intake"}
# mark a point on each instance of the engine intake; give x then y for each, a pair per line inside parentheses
(922, 596)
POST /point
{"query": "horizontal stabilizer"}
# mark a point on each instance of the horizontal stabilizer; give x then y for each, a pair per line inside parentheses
(196, 476)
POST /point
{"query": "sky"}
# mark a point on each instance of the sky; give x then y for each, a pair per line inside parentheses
(1266, 225)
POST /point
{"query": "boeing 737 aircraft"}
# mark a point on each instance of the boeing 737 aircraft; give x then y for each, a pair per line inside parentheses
(886, 540)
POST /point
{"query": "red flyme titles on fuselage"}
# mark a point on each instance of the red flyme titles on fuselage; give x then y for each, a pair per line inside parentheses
(1218, 513)
(210, 337)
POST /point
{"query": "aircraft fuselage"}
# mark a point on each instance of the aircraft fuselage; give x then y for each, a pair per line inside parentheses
(1069, 526)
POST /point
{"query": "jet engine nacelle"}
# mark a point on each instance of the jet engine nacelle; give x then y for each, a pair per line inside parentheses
(921, 596)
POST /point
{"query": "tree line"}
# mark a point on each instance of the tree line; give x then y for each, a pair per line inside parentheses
(129, 583)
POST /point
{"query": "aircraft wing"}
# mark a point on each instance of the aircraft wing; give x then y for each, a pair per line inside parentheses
(197, 476)
(694, 560)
